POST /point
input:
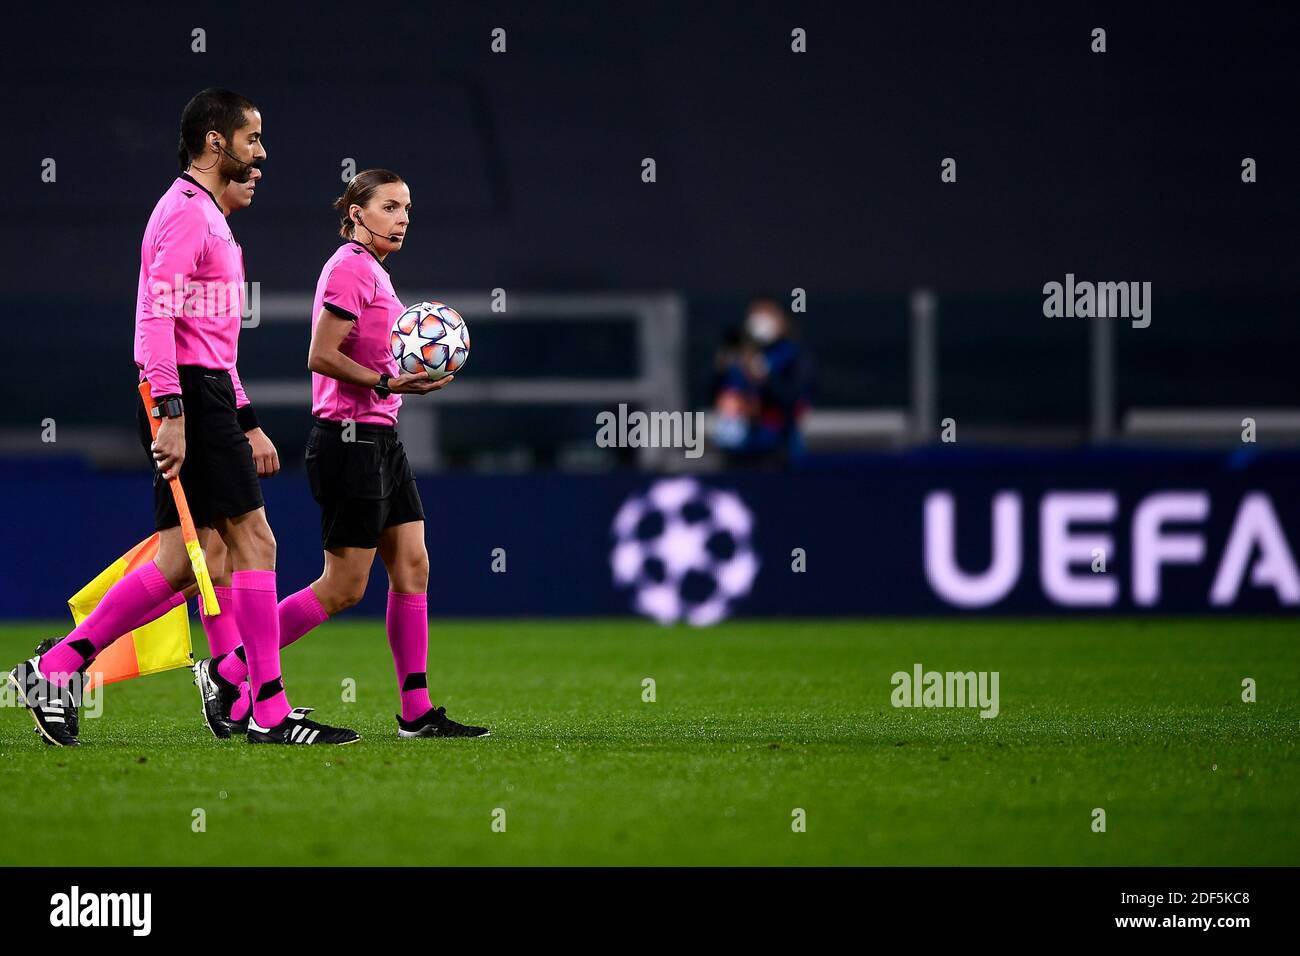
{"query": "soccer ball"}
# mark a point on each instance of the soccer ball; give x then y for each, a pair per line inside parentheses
(685, 550)
(432, 338)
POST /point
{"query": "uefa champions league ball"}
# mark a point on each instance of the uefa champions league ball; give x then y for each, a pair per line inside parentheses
(432, 338)
(685, 550)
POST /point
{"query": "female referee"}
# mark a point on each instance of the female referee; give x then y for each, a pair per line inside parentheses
(355, 462)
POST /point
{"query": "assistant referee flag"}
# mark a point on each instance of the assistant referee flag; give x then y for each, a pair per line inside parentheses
(161, 645)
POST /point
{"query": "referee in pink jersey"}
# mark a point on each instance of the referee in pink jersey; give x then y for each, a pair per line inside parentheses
(188, 315)
(356, 464)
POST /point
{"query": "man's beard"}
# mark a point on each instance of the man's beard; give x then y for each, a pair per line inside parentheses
(235, 170)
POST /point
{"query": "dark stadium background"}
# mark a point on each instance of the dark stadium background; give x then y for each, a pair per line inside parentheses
(775, 171)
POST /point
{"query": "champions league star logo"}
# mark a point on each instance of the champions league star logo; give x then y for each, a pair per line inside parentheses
(685, 550)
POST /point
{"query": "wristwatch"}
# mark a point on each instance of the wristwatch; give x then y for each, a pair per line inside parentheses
(381, 387)
(169, 406)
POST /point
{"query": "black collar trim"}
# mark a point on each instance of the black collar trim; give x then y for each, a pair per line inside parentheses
(372, 253)
(190, 179)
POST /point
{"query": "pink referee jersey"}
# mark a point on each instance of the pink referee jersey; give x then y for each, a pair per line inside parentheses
(354, 285)
(191, 290)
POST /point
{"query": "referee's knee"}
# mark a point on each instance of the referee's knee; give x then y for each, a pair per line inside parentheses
(346, 594)
(265, 547)
(252, 545)
(339, 590)
(173, 561)
(178, 574)
(409, 573)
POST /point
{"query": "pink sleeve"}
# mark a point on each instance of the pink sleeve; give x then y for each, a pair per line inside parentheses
(177, 247)
(240, 398)
(348, 289)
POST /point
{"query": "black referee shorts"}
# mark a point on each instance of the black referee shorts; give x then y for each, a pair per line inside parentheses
(363, 486)
(218, 474)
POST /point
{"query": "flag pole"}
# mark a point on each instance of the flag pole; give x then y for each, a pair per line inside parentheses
(200, 565)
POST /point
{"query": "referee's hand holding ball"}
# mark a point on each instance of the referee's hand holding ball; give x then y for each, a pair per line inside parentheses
(417, 383)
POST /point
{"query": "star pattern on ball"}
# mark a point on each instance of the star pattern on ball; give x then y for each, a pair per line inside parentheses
(412, 341)
(453, 337)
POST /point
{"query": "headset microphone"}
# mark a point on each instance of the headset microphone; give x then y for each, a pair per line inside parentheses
(253, 164)
(392, 238)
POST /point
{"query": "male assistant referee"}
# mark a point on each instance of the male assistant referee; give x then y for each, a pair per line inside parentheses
(188, 315)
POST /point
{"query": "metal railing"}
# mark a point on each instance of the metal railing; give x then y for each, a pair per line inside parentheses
(659, 319)
(659, 385)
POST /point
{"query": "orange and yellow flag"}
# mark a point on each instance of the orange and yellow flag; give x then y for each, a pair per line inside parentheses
(160, 645)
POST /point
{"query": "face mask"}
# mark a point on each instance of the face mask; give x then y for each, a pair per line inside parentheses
(762, 327)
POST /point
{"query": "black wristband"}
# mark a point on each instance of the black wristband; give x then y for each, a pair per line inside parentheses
(247, 418)
(381, 387)
(168, 406)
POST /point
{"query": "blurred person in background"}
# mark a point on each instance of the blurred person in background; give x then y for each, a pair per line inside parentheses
(762, 388)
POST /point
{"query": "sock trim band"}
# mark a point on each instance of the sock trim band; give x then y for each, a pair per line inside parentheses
(307, 601)
(417, 601)
(270, 689)
(155, 584)
(253, 581)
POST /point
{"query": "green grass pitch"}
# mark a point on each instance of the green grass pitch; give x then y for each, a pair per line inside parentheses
(1143, 718)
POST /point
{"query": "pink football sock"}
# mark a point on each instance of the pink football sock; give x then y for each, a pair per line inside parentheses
(232, 666)
(165, 605)
(239, 709)
(299, 613)
(259, 625)
(155, 612)
(140, 597)
(408, 637)
(222, 630)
